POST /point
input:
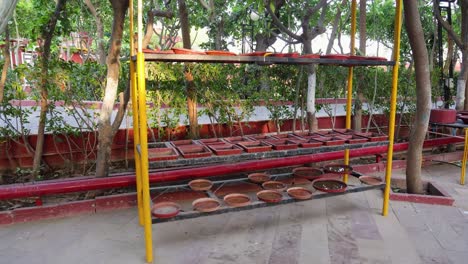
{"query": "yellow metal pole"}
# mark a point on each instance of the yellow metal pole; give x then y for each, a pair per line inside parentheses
(136, 131)
(393, 98)
(465, 153)
(349, 99)
(144, 138)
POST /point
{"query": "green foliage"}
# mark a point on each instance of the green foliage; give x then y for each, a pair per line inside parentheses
(15, 119)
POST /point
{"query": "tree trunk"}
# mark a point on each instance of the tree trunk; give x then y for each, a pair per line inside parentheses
(357, 120)
(110, 93)
(6, 10)
(463, 76)
(47, 34)
(311, 85)
(6, 64)
(423, 97)
(149, 29)
(461, 103)
(189, 85)
(101, 50)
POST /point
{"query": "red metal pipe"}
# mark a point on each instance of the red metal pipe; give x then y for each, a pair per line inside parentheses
(78, 185)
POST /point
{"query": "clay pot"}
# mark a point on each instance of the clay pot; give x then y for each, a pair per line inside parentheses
(259, 177)
(274, 185)
(443, 116)
(307, 173)
(237, 200)
(165, 209)
(299, 193)
(370, 180)
(206, 205)
(200, 185)
(270, 196)
(329, 186)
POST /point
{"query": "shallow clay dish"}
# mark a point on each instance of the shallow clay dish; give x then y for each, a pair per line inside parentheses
(307, 173)
(335, 56)
(187, 51)
(259, 177)
(206, 205)
(237, 199)
(269, 196)
(257, 53)
(165, 209)
(376, 58)
(158, 51)
(356, 57)
(299, 193)
(220, 53)
(370, 180)
(338, 169)
(329, 186)
(274, 185)
(286, 55)
(200, 185)
(310, 56)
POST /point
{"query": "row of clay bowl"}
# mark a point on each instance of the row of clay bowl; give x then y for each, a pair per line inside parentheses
(272, 192)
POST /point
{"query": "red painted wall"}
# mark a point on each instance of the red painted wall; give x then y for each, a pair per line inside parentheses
(60, 150)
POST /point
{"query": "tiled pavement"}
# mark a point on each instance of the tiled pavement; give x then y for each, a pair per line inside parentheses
(344, 229)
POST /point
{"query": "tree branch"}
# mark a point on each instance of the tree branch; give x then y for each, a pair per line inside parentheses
(280, 25)
(123, 98)
(149, 30)
(161, 13)
(320, 29)
(312, 10)
(289, 42)
(100, 31)
(204, 4)
(447, 26)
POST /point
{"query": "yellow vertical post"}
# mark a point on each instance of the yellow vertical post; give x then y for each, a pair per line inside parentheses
(136, 131)
(349, 96)
(465, 153)
(144, 138)
(393, 98)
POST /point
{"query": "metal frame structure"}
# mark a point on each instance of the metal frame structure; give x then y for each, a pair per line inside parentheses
(138, 93)
(455, 126)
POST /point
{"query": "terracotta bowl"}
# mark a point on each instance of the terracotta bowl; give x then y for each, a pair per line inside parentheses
(165, 209)
(307, 173)
(329, 186)
(206, 205)
(200, 185)
(259, 177)
(220, 53)
(299, 193)
(338, 169)
(270, 196)
(370, 180)
(237, 199)
(187, 51)
(274, 185)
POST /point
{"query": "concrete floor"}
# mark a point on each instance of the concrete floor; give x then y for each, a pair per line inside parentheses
(344, 229)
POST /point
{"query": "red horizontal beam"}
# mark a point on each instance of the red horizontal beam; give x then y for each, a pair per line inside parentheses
(79, 185)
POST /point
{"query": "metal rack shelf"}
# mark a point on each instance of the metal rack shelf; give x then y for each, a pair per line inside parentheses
(259, 155)
(256, 203)
(138, 85)
(260, 60)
